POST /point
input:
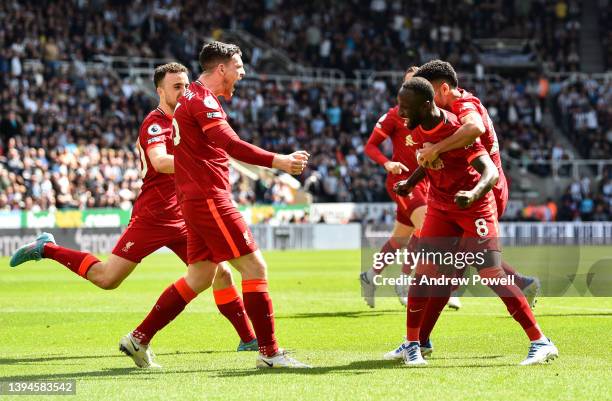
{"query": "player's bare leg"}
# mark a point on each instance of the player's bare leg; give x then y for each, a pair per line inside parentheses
(231, 306)
(110, 274)
(399, 238)
(258, 305)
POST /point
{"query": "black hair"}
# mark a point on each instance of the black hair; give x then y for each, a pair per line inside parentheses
(438, 70)
(420, 87)
(215, 52)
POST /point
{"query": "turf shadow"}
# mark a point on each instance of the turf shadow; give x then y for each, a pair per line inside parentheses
(362, 367)
(111, 373)
(15, 361)
(591, 314)
(349, 314)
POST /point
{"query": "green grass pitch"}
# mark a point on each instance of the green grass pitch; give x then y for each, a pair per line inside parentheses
(54, 325)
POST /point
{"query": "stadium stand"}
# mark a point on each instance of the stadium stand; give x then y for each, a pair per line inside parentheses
(68, 127)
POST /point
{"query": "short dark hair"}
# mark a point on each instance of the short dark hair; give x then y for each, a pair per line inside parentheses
(162, 70)
(420, 87)
(215, 52)
(438, 70)
(412, 69)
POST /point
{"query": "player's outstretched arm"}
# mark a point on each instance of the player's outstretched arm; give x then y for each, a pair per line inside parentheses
(472, 127)
(488, 178)
(404, 187)
(161, 161)
(224, 136)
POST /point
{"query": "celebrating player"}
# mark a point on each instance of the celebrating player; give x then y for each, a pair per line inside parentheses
(216, 231)
(459, 204)
(156, 219)
(410, 211)
(476, 123)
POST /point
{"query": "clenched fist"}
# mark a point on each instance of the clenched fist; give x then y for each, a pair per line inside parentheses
(293, 164)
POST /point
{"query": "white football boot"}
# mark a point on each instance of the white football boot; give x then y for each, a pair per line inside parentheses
(368, 289)
(279, 361)
(454, 303)
(142, 355)
(540, 351)
(412, 355)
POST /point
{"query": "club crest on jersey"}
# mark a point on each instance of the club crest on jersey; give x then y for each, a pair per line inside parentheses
(210, 102)
(127, 246)
(154, 129)
(410, 141)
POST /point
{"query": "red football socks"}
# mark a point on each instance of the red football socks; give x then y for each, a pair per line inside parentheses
(417, 301)
(511, 271)
(169, 305)
(231, 306)
(433, 310)
(515, 302)
(76, 261)
(258, 305)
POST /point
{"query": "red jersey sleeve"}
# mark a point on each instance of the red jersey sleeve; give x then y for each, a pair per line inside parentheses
(211, 119)
(462, 107)
(385, 125)
(372, 147)
(154, 132)
(473, 151)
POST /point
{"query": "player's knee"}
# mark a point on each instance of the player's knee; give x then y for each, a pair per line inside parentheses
(224, 275)
(256, 269)
(109, 283)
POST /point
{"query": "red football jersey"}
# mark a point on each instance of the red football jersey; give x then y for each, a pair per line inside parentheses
(392, 126)
(469, 103)
(201, 168)
(157, 198)
(456, 173)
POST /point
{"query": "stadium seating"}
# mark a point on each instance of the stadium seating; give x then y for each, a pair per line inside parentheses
(67, 131)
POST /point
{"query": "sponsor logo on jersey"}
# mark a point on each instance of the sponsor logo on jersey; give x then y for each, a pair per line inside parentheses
(247, 237)
(214, 114)
(410, 141)
(210, 102)
(155, 139)
(154, 129)
(127, 246)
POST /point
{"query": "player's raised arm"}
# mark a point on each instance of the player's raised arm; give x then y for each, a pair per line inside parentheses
(161, 161)
(472, 127)
(488, 177)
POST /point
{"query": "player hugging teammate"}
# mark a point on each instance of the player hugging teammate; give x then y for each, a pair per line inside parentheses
(460, 205)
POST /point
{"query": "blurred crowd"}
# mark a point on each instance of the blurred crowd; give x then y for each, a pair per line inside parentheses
(68, 132)
(347, 35)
